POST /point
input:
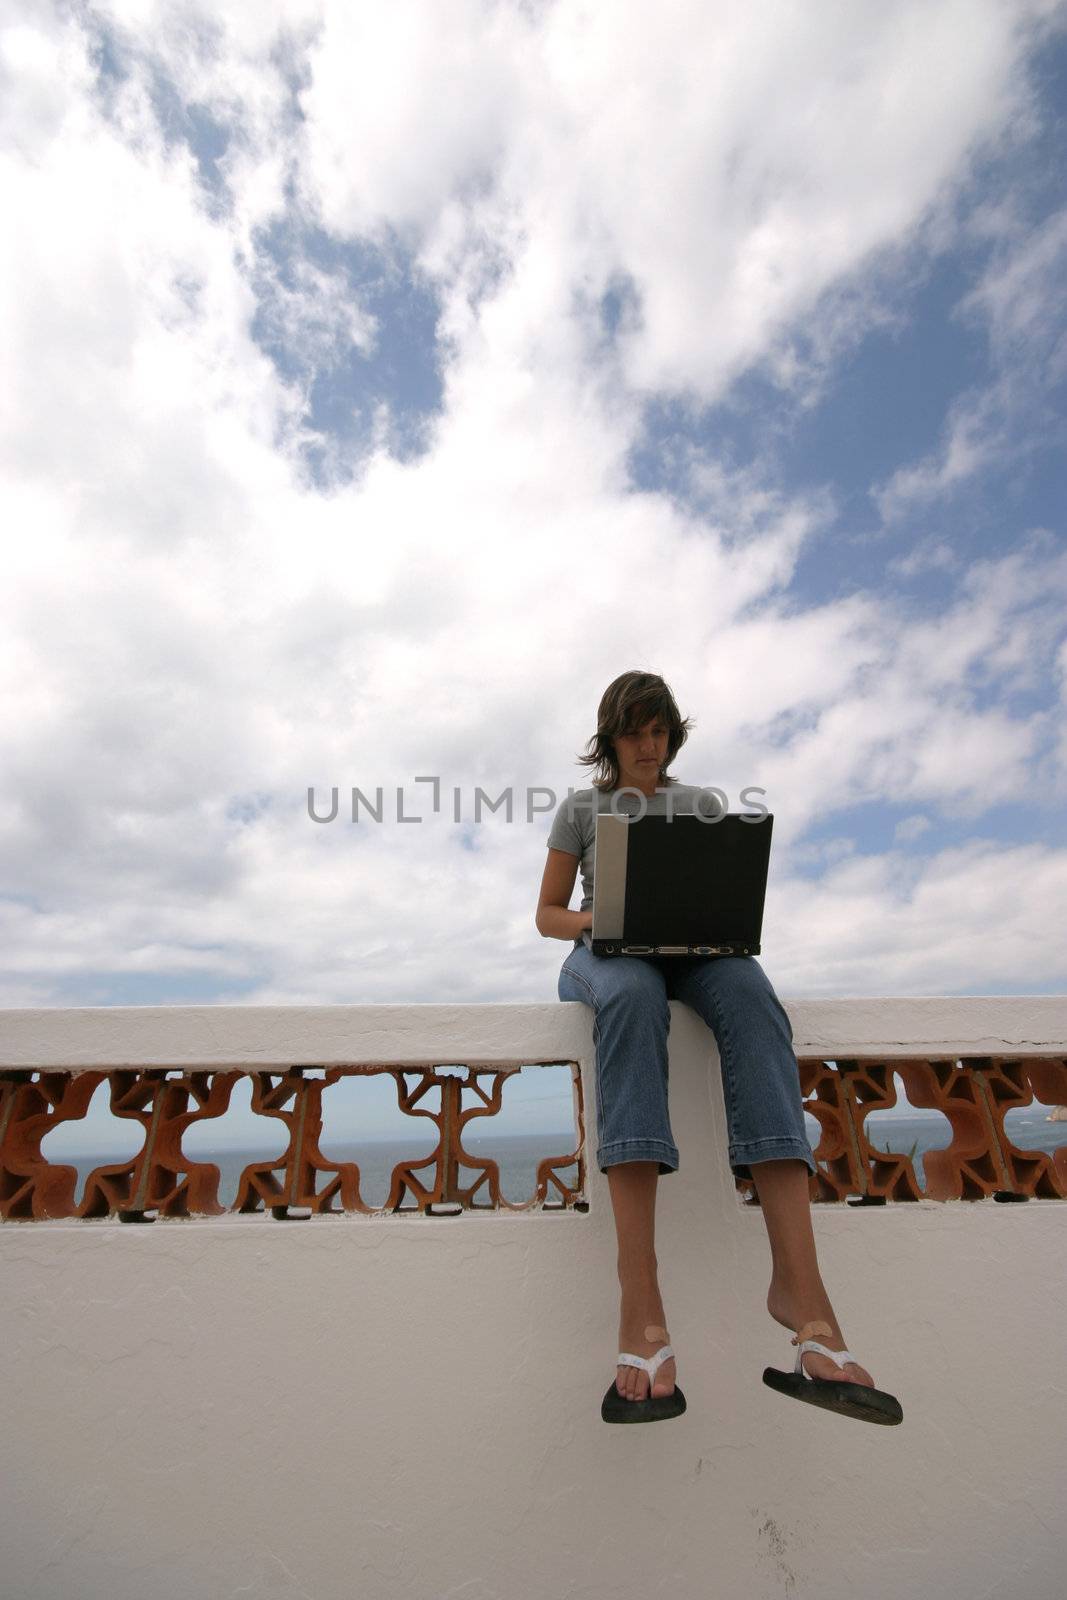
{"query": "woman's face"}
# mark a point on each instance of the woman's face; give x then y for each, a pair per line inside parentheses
(641, 755)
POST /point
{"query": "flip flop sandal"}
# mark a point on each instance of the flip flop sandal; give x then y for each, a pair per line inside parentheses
(834, 1394)
(654, 1408)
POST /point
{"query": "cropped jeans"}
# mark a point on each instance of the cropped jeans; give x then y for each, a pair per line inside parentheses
(631, 1021)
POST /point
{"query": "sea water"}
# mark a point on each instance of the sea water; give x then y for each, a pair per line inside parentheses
(518, 1155)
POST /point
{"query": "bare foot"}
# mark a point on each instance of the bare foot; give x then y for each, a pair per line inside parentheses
(641, 1314)
(793, 1313)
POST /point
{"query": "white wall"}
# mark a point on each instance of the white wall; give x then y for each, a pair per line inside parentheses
(410, 1407)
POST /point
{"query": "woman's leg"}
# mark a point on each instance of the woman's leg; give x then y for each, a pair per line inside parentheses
(797, 1293)
(642, 1320)
(631, 1020)
(768, 1138)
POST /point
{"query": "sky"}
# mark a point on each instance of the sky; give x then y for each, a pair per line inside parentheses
(380, 382)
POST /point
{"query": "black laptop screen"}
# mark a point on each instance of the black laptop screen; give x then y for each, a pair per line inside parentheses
(669, 863)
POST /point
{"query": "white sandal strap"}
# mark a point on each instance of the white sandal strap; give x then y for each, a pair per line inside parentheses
(841, 1357)
(649, 1364)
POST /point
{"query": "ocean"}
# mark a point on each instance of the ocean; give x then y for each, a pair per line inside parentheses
(519, 1154)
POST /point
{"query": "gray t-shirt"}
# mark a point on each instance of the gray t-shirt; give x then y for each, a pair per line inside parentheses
(574, 824)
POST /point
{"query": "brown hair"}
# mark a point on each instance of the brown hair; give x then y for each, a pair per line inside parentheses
(626, 705)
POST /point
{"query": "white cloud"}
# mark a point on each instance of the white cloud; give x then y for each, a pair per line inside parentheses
(734, 194)
(1021, 298)
(912, 827)
(928, 556)
(187, 620)
(977, 436)
(1021, 304)
(738, 170)
(981, 918)
(316, 320)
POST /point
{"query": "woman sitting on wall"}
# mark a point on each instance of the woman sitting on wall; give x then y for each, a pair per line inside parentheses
(639, 732)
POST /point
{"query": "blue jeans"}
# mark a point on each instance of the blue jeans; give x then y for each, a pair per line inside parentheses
(631, 1020)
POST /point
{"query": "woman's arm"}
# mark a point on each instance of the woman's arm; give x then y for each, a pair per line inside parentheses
(553, 920)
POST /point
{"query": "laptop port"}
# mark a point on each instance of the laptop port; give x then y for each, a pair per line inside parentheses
(637, 949)
(672, 949)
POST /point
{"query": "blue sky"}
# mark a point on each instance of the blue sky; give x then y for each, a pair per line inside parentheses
(380, 383)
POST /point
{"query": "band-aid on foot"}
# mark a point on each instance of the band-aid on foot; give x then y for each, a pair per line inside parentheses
(652, 1332)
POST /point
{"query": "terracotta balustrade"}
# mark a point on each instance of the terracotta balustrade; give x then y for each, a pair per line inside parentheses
(973, 1093)
(160, 1179)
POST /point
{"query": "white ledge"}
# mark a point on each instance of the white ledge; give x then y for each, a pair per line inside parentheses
(275, 1037)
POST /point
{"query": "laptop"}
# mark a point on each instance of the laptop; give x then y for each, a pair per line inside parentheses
(679, 886)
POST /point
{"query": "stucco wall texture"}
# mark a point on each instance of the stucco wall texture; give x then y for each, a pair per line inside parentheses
(410, 1407)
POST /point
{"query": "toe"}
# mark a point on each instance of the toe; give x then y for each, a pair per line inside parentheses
(818, 1366)
(664, 1384)
(632, 1383)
